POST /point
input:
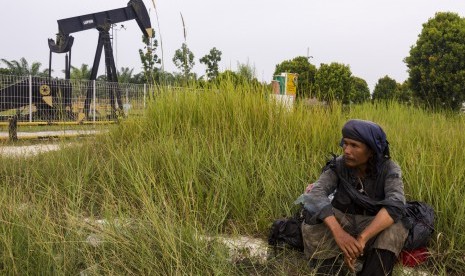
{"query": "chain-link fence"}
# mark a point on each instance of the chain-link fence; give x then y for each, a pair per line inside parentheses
(34, 99)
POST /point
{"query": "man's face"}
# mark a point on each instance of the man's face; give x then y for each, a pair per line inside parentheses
(356, 154)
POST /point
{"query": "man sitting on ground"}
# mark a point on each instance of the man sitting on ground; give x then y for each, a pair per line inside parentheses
(361, 224)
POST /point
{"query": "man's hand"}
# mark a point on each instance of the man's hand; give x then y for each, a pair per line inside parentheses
(350, 263)
(348, 244)
(361, 240)
(309, 188)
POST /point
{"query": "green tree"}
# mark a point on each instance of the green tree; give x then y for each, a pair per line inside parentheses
(4, 71)
(306, 74)
(21, 68)
(246, 71)
(386, 89)
(167, 77)
(125, 75)
(360, 92)
(184, 61)
(82, 73)
(334, 82)
(211, 60)
(404, 93)
(436, 62)
(139, 78)
(240, 78)
(150, 60)
(230, 76)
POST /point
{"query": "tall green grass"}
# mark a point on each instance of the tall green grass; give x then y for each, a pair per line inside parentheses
(228, 160)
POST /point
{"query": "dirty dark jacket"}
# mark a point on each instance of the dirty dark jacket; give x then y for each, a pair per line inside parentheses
(385, 190)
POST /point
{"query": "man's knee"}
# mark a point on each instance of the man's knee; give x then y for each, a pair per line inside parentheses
(318, 241)
(392, 238)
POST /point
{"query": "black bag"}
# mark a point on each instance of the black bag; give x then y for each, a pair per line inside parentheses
(287, 231)
(420, 222)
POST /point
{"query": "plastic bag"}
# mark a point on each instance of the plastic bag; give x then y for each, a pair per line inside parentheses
(412, 258)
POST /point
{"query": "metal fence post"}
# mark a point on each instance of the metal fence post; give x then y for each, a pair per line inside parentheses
(145, 92)
(30, 98)
(127, 95)
(94, 100)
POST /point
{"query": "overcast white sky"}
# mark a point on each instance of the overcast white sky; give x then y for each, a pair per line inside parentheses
(371, 36)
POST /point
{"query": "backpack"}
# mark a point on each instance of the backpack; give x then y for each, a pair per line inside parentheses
(419, 220)
(287, 232)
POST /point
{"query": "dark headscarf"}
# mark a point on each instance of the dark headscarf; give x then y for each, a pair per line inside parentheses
(369, 133)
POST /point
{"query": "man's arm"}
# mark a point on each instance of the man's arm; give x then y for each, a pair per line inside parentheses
(394, 190)
(381, 221)
(348, 244)
(316, 202)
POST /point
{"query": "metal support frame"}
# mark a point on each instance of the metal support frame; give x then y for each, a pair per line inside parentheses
(104, 43)
(94, 99)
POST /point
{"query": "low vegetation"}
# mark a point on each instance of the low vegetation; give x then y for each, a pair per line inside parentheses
(142, 198)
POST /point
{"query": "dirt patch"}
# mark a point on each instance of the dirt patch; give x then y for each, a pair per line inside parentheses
(27, 151)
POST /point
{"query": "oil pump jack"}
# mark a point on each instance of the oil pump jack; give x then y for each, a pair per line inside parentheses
(101, 21)
(51, 97)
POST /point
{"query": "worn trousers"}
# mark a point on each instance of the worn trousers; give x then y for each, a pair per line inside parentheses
(319, 242)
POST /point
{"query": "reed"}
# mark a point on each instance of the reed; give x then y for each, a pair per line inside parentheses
(226, 160)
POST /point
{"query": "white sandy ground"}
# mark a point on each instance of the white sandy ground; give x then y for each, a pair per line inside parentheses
(27, 151)
(47, 134)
